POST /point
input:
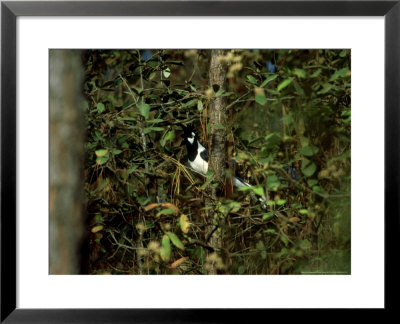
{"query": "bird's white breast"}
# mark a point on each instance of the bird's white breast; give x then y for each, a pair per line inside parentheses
(199, 164)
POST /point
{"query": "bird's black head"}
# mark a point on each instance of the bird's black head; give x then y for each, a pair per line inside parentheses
(190, 139)
(189, 136)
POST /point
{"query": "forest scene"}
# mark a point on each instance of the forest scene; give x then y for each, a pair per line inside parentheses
(212, 161)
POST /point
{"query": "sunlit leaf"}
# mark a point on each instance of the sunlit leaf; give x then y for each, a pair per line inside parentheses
(281, 202)
(300, 73)
(167, 138)
(257, 190)
(184, 223)
(116, 151)
(175, 240)
(97, 228)
(268, 215)
(165, 251)
(284, 84)
(167, 211)
(102, 160)
(101, 152)
(268, 80)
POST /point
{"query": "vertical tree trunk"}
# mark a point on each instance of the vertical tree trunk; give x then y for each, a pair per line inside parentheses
(66, 161)
(217, 141)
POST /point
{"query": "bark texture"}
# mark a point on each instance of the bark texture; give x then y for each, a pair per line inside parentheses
(67, 129)
(217, 145)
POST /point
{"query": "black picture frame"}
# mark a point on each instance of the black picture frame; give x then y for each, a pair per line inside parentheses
(11, 10)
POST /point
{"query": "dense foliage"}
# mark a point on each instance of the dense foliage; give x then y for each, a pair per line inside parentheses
(288, 132)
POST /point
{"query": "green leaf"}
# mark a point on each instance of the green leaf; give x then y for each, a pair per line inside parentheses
(316, 73)
(268, 215)
(342, 73)
(154, 121)
(153, 129)
(252, 79)
(175, 240)
(260, 245)
(300, 73)
(281, 202)
(303, 211)
(263, 255)
(101, 152)
(273, 182)
(210, 177)
(326, 87)
(165, 251)
(268, 80)
(257, 190)
(132, 169)
(284, 240)
(100, 107)
(284, 84)
(309, 150)
(103, 159)
(189, 103)
(166, 211)
(319, 189)
(261, 99)
(220, 92)
(167, 138)
(116, 151)
(312, 182)
(269, 231)
(308, 167)
(152, 64)
(241, 269)
(144, 110)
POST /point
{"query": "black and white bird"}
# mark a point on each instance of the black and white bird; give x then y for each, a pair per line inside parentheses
(198, 158)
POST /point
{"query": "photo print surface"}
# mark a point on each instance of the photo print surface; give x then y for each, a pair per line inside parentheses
(199, 161)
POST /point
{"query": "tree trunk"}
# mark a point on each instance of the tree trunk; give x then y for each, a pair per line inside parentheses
(67, 129)
(217, 146)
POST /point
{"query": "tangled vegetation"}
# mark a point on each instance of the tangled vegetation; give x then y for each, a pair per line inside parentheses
(288, 133)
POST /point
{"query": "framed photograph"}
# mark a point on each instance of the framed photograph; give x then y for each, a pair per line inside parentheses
(159, 159)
